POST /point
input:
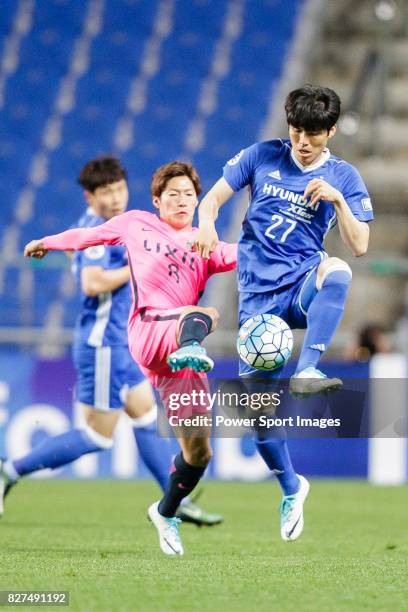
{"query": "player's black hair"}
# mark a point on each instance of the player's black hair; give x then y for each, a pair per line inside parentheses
(312, 108)
(101, 171)
(175, 168)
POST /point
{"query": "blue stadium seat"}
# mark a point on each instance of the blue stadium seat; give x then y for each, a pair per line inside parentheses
(8, 12)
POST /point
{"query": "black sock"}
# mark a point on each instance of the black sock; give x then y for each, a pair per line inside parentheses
(181, 482)
(194, 328)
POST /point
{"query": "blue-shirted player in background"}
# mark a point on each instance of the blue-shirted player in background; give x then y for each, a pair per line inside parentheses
(107, 377)
(298, 192)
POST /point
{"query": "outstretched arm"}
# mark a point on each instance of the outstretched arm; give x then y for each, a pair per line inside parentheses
(111, 232)
(35, 248)
(206, 238)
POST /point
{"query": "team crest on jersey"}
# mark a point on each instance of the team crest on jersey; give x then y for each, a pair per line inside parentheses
(95, 252)
(236, 158)
(366, 204)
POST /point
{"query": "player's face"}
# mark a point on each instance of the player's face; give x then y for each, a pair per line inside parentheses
(177, 202)
(109, 200)
(308, 146)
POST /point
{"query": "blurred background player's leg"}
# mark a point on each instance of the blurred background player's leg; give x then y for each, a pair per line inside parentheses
(100, 399)
(155, 451)
(56, 451)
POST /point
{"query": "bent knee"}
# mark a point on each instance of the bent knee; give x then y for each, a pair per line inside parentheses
(214, 316)
(100, 439)
(329, 266)
(199, 456)
(102, 423)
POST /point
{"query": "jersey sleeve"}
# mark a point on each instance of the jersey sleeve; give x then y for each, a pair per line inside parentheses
(356, 195)
(109, 233)
(223, 258)
(239, 170)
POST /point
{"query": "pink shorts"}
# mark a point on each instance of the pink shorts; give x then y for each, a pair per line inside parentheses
(152, 337)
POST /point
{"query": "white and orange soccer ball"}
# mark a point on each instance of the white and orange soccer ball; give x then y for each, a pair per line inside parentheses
(265, 342)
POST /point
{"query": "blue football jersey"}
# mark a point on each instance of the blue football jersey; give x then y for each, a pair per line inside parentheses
(280, 231)
(103, 318)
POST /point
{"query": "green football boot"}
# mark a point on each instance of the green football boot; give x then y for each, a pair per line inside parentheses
(194, 357)
(190, 512)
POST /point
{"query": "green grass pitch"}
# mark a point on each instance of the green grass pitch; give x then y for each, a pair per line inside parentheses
(93, 539)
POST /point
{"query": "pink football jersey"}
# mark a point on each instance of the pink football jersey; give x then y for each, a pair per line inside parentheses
(165, 273)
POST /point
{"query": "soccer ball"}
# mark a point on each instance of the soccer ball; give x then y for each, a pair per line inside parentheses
(265, 342)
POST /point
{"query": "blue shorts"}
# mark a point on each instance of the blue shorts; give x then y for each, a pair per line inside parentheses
(104, 374)
(290, 304)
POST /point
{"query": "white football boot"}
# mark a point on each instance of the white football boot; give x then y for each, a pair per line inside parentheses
(312, 381)
(168, 531)
(291, 512)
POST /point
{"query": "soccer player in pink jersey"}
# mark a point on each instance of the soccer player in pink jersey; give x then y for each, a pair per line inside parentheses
(165, 327)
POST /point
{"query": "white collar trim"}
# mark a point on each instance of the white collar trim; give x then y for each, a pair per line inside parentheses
(322, 160)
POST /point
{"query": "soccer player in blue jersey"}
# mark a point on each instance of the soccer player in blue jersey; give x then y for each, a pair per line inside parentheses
(107, 377)
(298, 191)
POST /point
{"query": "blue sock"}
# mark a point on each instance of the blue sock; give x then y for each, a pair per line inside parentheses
(275, 453)
(154, 450)
(56, 451)
(323, 317)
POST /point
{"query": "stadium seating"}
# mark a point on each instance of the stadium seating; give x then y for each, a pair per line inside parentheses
(148, 80)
